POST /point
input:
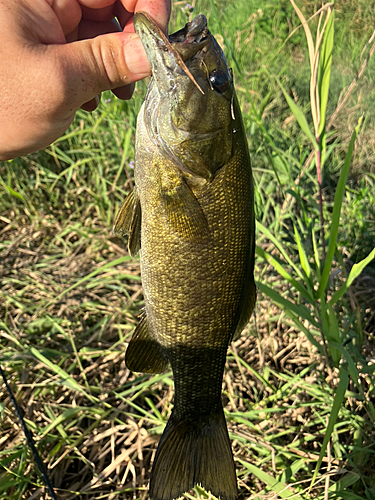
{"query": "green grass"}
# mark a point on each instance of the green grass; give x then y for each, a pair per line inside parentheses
(299, 383)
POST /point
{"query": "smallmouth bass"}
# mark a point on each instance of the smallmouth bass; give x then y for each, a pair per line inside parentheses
(191, 214)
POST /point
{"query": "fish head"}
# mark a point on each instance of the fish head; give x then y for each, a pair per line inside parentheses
(189, 104)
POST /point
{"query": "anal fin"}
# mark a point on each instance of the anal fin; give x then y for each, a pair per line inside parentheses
(144, 353)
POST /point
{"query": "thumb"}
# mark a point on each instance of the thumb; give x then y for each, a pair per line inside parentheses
(105, 62)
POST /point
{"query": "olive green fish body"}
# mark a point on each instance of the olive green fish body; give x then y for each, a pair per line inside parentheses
(195, 287)
(195, 195)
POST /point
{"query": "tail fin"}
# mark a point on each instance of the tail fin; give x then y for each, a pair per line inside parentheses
(194, 452)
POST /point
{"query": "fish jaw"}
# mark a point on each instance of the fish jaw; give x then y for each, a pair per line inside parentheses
(163, 57)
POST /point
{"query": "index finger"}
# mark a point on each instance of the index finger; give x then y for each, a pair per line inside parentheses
(103, 10)
(159, 10)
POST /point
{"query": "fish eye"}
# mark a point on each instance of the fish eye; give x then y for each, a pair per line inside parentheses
(219, 80)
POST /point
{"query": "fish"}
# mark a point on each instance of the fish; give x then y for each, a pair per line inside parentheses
(191, 216)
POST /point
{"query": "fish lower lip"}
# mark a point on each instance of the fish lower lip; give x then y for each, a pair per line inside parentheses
(194, 32)
(198, 24)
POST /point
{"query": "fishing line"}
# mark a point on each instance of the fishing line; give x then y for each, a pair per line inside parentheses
(29, 438)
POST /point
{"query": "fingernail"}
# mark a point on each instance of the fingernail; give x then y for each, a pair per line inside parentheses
(135, 56)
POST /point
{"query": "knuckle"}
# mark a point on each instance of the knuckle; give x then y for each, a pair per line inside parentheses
(109, 58)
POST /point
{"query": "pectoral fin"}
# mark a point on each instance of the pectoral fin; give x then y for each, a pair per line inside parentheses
(128, 221)
(184, 212)
(144, 353)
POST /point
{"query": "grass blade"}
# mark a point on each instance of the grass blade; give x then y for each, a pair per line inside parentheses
(66, 379)
(299, 116)
(298, 309)
(280, 268)
(324, 70)
(337, 402)
(302, 254)
(88, 277)
(354, 273)
(339, 195)
(275, 485)
(267, 233)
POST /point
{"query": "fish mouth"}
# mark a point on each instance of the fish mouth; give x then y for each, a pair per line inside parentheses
(194, 32)
(192, 38)
(151, 35)
(168, 55)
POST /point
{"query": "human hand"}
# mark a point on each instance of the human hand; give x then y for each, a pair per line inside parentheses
(52, 62)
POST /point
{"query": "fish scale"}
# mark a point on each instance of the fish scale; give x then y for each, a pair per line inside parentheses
(192, 217)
